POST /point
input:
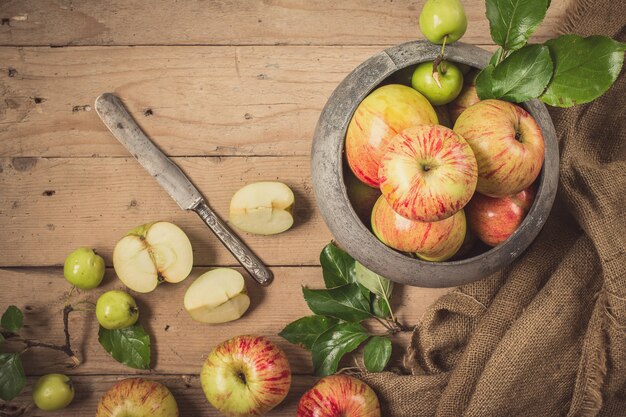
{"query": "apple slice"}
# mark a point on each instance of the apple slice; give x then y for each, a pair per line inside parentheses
(153, 253)
(217, 296)
(262, 208)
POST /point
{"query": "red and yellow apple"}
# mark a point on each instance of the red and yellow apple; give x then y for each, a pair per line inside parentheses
(427, 173)
(508, 145)
(493, 220)
(466, 98)
(137, 397)
(431, 241)
(362, 197)
(378, 118)
(339, 396)
(246, 376)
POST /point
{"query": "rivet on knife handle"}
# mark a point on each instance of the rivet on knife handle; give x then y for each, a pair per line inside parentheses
(246, 258)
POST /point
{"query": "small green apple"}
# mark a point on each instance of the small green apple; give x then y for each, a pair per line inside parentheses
(443, 19)
(450, 80)
(84, 268)
(116, 310)
(53, 392)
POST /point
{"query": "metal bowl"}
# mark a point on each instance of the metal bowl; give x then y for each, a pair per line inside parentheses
(327, 169)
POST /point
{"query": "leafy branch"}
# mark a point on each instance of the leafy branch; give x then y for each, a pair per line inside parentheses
(562, 72)
(353, 294)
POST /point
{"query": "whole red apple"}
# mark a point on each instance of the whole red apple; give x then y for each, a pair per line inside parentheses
(339, 396)
(246, 376)
(508, 145)
(378, 118)
(431, 241)
(493, 220)
(428, 173)
(137, 397)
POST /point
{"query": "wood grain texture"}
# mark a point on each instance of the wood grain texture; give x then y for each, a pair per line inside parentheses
(180, 345)
(232, 22)
(50, 206)
(189, 100)
(185, 388)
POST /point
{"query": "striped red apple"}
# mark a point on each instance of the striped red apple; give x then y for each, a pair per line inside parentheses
(339, 396)
(427, 173)
(378, 118)
(246, 376)
(493, 220)
(431, 241)
(466, 98)
(508, 145)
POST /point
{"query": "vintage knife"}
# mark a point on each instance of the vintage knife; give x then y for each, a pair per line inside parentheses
(174, 181)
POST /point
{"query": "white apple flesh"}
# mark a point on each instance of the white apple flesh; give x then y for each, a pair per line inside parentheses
(153, 253)
(217, 296)
(262, 208)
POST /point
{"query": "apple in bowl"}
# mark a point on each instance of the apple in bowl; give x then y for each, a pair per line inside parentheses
(508, 145)
(378, 118)
(428, 173)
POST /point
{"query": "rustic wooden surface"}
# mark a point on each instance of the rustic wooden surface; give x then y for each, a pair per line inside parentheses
(231, 89)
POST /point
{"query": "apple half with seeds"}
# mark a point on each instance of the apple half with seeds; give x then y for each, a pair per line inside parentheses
(217, 296)
(153, 253)
(262, 208)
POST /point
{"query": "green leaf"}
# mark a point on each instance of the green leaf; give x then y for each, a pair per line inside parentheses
(337, 266)
(12, 319)
(523, 75)
(305, 331)
(584, 68)
(495, 58)
(333, 344)
(129, 346)
(484, 87)
(377, 353)
(12, 377)
(377, 284)
(380, 308)
(345, 303)
(511, 22)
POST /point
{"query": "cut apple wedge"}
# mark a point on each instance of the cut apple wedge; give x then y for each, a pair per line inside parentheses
(262, 208)
(153, 253)
(217, 296)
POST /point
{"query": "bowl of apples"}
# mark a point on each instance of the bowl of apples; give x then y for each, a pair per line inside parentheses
(423, 190)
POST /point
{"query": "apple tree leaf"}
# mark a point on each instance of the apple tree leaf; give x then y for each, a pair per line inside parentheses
(333, 344)
(129, 346)
(344, 303)
(377, 284)
(376, 353)
(380, 307)
(306, 330)
(584, 68)
(337, 266)
(511, 22)
(12, 377)
(484, 83)
(12, 319)
(523, 75)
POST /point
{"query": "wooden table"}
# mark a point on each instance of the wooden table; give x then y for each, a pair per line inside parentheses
(232, 91)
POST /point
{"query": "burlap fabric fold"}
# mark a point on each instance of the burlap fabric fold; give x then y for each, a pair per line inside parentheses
(546, 336)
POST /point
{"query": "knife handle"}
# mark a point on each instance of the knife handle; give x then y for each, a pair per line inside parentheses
(244, 255)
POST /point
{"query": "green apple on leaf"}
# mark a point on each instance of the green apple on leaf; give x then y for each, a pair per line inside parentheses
(84, 268)
(53, 392)
(116, 310)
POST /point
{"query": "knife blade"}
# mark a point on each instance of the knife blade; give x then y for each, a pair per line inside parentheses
(125, 129)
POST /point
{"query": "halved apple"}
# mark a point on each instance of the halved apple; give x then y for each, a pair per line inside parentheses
(153, 253)
(217, 296)
(262, 208)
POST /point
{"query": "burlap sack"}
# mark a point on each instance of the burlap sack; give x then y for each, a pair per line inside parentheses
(546, 336)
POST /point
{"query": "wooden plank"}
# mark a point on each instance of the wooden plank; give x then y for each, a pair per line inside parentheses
(235, 22)
(191, 100)
(180, 345)
(48, 207)
(185, 388)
